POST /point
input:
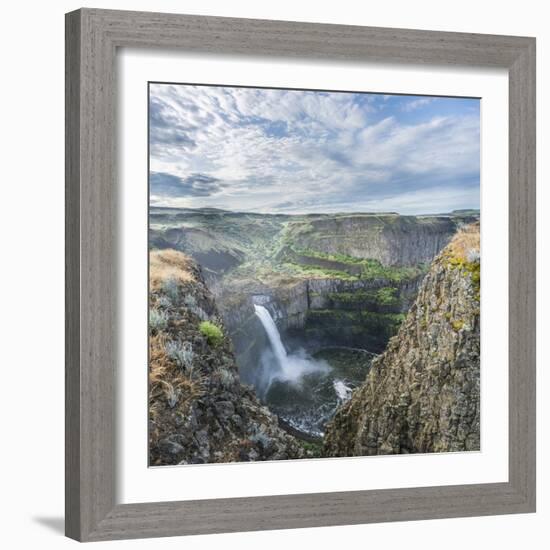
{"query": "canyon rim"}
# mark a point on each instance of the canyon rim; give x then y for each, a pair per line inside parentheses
(314, 274)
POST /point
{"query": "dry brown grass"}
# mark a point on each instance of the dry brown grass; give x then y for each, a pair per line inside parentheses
(168, 264)
(464, 242)
(159, 362)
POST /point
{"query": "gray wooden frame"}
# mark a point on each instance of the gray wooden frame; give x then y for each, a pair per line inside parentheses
(92, 39)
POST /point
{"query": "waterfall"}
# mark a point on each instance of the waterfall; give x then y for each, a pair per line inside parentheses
(291, 368)
(273, 335)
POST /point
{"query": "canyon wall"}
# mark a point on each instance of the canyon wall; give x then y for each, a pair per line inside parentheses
(390, 239)
(422, 394)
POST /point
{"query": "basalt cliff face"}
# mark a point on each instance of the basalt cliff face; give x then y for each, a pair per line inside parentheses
(422, 394)
(199, 411)
(389, 239)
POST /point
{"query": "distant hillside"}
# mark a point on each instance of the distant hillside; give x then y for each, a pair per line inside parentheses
(221, 240)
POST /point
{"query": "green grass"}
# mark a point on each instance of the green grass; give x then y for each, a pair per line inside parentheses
(213, 333)
(387, 296)
(308, 270)
(370, 268)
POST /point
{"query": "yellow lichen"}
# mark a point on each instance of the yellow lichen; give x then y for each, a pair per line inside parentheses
(457, 325)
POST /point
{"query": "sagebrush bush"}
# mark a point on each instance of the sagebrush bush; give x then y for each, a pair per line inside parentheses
(171, 289)
(164, 302)
(213, 333)
(158, 320)
(181, 353)
(190, 301)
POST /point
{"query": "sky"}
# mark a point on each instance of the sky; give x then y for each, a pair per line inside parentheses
(290, 151)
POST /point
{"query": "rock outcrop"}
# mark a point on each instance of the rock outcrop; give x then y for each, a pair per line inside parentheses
(199, 411)
(422, 394)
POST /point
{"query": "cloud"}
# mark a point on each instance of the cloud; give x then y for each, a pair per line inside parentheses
(166, 129)
(272, 150)
(195, 185)
(413, 104)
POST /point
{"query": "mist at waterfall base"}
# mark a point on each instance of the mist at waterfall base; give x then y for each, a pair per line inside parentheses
(288, 368)
(304, 391)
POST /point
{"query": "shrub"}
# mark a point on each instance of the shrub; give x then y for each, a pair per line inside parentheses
(158, 320)
(181, 353)
(213, 333)
(164, 302)
(170, 288)
(387, 296)
(190, 301)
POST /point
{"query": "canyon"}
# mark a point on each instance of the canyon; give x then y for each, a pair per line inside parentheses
(308, 303)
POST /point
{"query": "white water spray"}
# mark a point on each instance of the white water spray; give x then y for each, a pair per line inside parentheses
(273, 334)
(342, 390)
(291, 368)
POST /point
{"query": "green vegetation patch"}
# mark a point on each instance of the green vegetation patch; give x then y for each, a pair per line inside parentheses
(213, 333)
(373, 269)
(369, 268)
(310, 270)
(312, 449)
(386, 296)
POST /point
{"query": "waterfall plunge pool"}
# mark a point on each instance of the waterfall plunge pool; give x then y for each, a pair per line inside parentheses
(305, 390)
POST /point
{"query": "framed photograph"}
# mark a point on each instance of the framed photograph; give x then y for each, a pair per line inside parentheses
(300, 275)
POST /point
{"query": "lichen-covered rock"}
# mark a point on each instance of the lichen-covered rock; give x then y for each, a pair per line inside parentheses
(199, 411)
(422, 394)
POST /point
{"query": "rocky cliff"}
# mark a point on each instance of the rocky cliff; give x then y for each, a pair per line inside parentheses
(390, 239)
(199, 411)
(422, 394)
